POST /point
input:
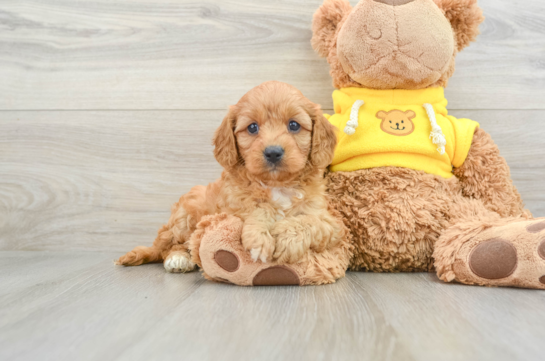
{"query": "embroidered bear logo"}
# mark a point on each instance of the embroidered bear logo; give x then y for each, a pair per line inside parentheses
(397, 122)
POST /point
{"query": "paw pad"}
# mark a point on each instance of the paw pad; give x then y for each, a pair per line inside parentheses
(227, 260)
(542, 279)
(493, 259)
(541, 249)
(276, 276)
(536, 227)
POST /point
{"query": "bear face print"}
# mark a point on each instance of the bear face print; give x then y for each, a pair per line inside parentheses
(397, 122)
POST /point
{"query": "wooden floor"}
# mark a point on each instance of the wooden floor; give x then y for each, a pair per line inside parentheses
(78, 306)
(107, 108)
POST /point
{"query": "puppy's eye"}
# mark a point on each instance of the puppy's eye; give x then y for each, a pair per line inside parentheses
(293, 126)
(253, 128)
(402, 122)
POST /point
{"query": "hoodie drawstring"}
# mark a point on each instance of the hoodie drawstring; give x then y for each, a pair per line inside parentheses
(352, 124)
(436, 135)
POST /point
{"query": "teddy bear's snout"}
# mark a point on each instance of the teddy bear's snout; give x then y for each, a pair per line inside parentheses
(385, 45)
(394, 2)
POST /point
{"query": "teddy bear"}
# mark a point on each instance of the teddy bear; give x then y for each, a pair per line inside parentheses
(418, 189)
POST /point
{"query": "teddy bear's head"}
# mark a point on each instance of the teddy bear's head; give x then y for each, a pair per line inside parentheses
(394, 44)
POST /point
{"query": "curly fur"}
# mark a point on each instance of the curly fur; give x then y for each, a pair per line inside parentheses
(272, 230)
(485, 175)
(397, 215)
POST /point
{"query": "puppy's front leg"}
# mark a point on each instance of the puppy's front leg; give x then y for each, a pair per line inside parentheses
(256, 235)
(296, 235)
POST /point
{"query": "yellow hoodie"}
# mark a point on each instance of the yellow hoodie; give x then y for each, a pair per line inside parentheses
(398, 128)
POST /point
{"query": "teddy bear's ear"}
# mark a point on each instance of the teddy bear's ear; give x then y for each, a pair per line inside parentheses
(324, 24)
(410, 114)
(382, 115)
(465, 16)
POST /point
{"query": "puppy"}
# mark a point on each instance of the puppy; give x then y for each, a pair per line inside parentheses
(274, 146)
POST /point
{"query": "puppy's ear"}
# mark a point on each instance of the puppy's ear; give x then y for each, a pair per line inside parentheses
(324, 139)
(465, 16)
(324, 24)
(225, 144)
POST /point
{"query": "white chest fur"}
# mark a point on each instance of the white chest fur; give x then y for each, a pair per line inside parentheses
(283, 198)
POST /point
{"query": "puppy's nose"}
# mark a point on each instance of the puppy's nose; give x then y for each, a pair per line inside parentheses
(394, 2)
(273, 154)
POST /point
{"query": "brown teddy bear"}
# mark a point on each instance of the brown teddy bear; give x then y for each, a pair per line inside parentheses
(419, 189)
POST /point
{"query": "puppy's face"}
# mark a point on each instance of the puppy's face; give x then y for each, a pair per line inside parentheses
(274, 140)
(274, 129)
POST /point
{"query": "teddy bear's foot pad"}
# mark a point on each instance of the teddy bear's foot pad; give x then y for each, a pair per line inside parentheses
(536, 227)
(235, 266)
(511, 255)
(227, 260)
(276, 276)
(493, 259)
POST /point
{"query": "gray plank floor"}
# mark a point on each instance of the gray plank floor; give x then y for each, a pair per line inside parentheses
(79, 306)
(107, 108)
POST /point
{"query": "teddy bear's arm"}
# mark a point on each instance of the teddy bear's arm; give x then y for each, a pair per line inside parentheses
(485, 175)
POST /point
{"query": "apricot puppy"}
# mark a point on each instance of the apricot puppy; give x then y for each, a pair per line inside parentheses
(274, 145)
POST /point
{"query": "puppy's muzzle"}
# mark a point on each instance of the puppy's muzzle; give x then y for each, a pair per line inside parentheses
(273, 154)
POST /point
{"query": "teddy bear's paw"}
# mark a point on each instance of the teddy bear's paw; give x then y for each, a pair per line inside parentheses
(223, 258)
(276, 276)
(178, 262)
(263, 275)
(232, 264)
(509, 255)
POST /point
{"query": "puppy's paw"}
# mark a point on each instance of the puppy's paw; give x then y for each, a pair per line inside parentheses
(179, 262)
(292, 241)
(327, 235)
(259, 242)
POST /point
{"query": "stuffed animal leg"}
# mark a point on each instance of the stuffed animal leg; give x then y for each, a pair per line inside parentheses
(493, 252)
(216, 247)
